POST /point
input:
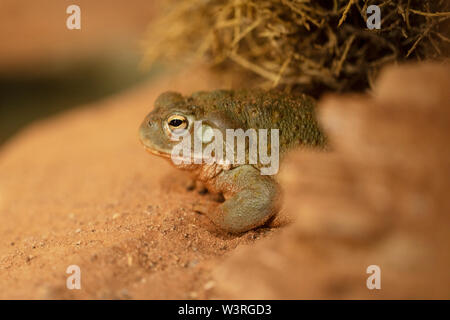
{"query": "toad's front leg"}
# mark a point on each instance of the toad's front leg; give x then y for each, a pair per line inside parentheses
(250, 199)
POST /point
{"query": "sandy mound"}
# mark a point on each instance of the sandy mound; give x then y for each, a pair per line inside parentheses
(79, 189)
(380, 198)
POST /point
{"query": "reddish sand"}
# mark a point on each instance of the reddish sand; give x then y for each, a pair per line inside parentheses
(79, 189)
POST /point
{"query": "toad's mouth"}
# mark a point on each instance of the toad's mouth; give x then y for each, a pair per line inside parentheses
(169, 156)
(192, 158)
(156, 152)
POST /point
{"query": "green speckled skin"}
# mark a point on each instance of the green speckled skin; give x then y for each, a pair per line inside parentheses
(250, 198)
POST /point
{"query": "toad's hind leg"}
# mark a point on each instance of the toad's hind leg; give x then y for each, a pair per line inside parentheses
(250, 199)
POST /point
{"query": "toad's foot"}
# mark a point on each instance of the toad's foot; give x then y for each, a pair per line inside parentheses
(251, 199)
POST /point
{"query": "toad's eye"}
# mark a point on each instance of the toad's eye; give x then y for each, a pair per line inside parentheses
(177, 122)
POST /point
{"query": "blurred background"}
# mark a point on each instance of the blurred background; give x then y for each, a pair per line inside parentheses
(46, 68)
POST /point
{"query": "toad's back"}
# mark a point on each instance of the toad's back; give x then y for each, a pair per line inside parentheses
(293, 115)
